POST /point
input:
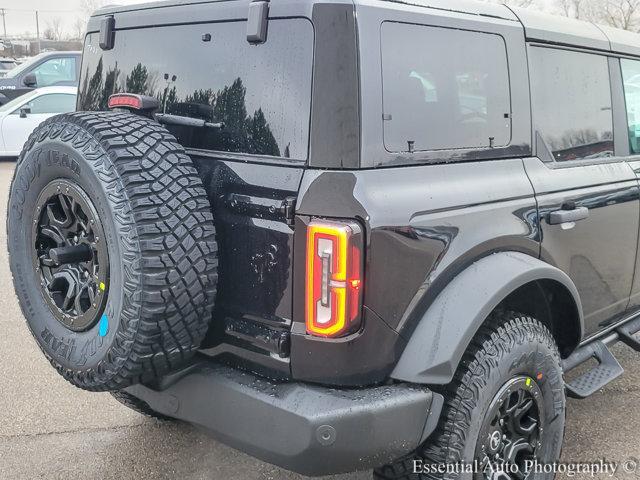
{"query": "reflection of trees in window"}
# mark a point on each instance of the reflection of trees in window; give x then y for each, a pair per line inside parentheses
(110, 86)
(260, 136)
(206, 97)
(242, 132)
(96, 89)
(584, 143)
(139, 81)
(92, 89)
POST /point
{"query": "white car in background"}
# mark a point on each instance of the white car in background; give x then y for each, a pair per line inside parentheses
(21, 116)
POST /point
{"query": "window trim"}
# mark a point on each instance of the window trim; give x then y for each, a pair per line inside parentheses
(461, 150)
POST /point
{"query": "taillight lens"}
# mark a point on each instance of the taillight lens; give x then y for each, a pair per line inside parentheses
(125, 100)
(333, 278)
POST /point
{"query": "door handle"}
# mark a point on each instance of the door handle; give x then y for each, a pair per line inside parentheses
(567, 216)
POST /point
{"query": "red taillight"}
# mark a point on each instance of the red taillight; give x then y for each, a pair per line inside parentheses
(125, 100)
(333, 278)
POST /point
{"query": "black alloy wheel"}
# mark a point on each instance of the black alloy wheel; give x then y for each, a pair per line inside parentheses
(70, 255)
(511, 431)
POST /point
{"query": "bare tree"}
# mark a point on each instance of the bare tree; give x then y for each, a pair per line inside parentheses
(573, 8)
(79, 28)
(54, 29)
(623, 14)
(615, 13)
(516, 3)
(519, 3)
(90, 6)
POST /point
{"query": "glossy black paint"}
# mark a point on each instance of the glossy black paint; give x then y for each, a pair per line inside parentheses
(252, 206)
(426, 216)
(14, 87)
(420, 236)
(593, 251)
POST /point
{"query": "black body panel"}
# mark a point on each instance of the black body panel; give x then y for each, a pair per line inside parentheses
(253, 212)
(602, 275)
(420, 236)
(308, 429)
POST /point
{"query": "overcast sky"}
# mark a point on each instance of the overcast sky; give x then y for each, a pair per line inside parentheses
(20, 14)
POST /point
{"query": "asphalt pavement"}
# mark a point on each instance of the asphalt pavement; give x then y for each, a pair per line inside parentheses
(52, 430)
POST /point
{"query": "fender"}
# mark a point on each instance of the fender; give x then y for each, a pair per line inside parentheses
(445, 331)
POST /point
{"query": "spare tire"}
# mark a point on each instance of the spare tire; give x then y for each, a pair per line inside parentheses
(112, 248)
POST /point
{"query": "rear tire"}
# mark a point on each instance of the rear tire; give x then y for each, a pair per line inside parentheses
(512, 355)
(112, 248)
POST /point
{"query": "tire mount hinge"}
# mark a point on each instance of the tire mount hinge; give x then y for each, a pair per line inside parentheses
(259, 207)
(258, 21)
(107, 32)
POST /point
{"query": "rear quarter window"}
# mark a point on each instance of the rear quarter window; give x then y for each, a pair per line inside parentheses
(444, 89)
(262, 93)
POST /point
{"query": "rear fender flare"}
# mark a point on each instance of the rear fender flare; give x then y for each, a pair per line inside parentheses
(437, 345)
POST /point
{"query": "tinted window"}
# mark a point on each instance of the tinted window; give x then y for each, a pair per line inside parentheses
(631, 76)
(55, 70)
(571, 94)
(53, 103)
(444, 89)
(262, 93)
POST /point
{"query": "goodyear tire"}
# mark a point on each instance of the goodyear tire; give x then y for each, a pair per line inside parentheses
(504, 411)
(112, 248)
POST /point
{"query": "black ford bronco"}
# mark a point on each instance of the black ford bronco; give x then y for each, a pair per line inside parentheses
(341, 235)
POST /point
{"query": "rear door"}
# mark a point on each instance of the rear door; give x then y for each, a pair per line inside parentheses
(630, 72)
(587, 193)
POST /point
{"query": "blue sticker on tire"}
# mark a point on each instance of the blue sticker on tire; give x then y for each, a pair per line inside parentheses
(103, 327)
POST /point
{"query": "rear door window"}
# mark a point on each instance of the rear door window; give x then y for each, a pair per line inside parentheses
(55, 70)
(444, 89)
(631, 78)
(262, 93)
(572, 106)
(52, 103)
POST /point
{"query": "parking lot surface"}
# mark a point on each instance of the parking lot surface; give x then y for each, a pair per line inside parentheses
(50, 429)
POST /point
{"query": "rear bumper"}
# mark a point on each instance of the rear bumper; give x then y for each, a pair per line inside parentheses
(308, 429)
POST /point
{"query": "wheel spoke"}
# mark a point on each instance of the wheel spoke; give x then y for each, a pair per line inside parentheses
(64, 204)
(54, 235)
(512, 408)
(46, 261)
(518, 416)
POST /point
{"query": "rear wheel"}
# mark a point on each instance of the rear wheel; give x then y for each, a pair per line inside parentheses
(112, 248)
(504, 410)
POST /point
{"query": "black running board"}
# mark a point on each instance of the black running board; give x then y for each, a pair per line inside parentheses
(608, 368)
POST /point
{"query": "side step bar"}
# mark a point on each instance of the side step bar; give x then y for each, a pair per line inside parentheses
(608, 368)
